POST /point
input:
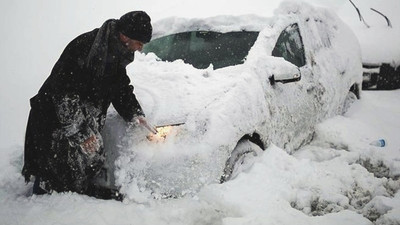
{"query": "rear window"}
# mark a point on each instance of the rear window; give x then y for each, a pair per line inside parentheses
(202, 48)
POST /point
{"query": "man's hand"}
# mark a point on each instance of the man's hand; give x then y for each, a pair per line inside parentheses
(142, 121)
(91, 145)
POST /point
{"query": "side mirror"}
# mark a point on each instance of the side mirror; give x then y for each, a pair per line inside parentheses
(285, 72)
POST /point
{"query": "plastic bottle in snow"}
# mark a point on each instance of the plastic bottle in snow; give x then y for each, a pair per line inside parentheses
(379, 143)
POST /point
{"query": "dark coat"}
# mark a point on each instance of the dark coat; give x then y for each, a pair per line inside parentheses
(72, 105)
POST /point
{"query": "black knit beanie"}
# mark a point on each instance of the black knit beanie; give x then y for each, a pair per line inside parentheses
(136, 25)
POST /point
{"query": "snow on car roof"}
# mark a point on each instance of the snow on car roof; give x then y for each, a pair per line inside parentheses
(380, 45)
(224, 23)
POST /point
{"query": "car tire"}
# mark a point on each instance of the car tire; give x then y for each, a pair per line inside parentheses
(242, 158)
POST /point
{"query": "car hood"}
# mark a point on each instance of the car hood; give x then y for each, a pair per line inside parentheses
(217, 108)
(169, 92)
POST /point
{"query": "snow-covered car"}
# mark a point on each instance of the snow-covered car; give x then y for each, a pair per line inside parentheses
(381, 58)
(221, 90)
(381, 76)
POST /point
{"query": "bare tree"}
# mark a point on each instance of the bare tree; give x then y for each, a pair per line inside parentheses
(359, 14)
(387, 19)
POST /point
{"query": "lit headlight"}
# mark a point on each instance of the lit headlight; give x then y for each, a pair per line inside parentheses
(162, 133)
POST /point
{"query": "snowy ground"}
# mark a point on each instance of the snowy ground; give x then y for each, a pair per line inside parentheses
(339, 178)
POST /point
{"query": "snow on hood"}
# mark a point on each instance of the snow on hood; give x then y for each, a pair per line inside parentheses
(173, 90)
(217, 108)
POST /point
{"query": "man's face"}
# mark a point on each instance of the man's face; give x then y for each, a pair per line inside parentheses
(132, 45)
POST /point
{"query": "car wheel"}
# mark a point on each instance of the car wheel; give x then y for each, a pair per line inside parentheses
(241, 159)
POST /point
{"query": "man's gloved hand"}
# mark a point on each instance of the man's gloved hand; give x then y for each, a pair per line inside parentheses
(90, 145)
(142, 121)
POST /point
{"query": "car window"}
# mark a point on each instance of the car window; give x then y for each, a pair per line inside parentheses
(290, 46)
(202, 48)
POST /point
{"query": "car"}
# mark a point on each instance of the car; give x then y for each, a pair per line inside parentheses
(220, 90)
(381, 70)
(380, 75)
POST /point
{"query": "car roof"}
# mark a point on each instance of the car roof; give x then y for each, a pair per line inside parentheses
(222, 24)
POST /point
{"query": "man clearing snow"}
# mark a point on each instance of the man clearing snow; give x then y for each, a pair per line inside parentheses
(63, 145)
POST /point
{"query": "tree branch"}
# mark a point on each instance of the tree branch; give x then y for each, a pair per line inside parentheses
(387, 19)
(359, 14)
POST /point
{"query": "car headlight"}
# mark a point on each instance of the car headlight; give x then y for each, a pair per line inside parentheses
(162, 133)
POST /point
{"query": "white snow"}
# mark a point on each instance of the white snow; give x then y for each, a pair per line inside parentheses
(380, 43)
(324, 179)
(339, 178)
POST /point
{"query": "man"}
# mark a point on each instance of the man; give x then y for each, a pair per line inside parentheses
(63, 145)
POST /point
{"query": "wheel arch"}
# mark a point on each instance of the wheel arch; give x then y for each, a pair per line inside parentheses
(255, 138)
(356, 89)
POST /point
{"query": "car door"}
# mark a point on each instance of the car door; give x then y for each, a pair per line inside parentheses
(293, 107)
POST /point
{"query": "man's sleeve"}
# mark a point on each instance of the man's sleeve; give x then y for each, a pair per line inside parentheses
(124, 100)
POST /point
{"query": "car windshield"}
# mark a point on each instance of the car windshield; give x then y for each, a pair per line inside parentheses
(202, 48)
